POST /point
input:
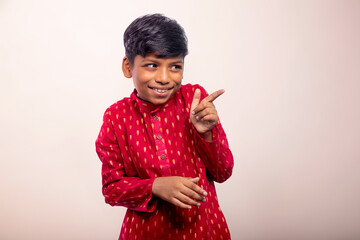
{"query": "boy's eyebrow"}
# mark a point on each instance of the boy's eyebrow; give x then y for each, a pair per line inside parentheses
(179, 61)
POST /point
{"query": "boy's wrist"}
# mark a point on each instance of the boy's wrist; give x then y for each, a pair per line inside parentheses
(207, 136)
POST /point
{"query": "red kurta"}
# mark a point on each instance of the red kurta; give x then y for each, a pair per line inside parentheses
(140, 141)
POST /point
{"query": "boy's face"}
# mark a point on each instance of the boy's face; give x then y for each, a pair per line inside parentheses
(155, 79)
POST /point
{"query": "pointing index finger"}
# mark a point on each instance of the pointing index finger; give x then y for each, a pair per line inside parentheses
(214, 95)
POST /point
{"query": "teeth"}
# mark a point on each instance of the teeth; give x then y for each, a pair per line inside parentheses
(160, 90)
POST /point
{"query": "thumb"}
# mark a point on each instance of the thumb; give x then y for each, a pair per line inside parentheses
(196, 99)
(194, 180)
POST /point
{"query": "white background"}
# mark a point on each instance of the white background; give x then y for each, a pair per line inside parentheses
(291, 70)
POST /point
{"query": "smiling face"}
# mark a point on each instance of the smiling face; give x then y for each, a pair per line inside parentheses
(155, 79)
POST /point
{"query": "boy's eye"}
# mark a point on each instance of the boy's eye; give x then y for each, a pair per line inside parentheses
(151, 65)
(176, 67)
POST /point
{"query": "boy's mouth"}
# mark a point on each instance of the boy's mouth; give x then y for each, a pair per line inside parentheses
(159, 90)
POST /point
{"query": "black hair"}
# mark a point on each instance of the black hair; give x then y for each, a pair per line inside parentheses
(155, 34)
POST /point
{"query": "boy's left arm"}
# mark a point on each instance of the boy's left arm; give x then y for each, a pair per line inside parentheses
(210, 137)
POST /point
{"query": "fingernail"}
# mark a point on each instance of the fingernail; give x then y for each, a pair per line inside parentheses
(204, 199)
(197, 118)
(205, 193)
(193, 112)
(198, 204)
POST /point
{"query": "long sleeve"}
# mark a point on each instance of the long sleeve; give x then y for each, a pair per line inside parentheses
(118, 188)
(216, 155)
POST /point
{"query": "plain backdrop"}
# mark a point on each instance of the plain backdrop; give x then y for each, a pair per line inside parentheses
(291, 71)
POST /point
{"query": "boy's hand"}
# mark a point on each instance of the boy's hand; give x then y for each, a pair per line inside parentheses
(203, 115)
(180, 191)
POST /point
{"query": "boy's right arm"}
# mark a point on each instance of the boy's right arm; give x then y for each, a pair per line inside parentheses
(118, 188)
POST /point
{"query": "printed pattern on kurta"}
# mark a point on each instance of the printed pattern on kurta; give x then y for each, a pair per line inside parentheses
(140, 141)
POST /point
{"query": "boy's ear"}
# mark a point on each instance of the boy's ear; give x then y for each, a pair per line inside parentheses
(126, 67)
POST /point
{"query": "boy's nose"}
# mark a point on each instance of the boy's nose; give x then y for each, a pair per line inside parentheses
(162, 76)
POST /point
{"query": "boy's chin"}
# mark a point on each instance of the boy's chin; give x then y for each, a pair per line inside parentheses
(155, 101)
(159, 101)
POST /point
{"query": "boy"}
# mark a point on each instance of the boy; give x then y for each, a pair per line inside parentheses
(163, 148)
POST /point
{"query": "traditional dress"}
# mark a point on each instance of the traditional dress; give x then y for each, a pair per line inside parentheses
(140, 141)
